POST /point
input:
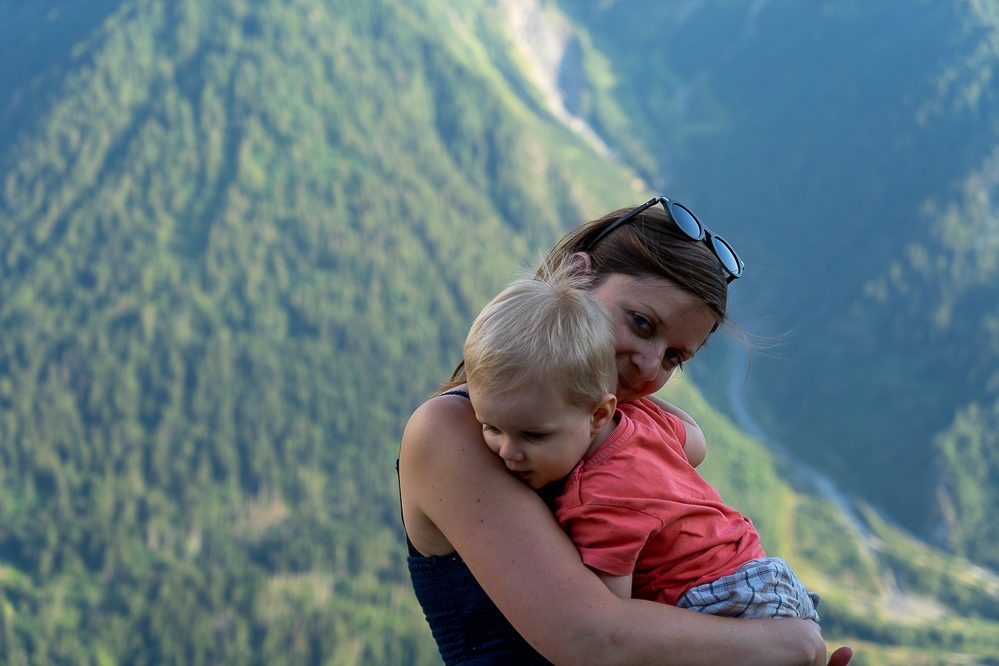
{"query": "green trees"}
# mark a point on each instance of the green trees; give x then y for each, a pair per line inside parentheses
(229, 270)
(239, 243)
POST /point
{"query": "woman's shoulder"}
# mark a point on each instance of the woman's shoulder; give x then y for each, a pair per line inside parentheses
(441, 411)
(442, 428)
(435, 446)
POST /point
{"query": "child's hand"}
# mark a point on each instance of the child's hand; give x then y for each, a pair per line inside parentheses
(841, 656)
(696, 446)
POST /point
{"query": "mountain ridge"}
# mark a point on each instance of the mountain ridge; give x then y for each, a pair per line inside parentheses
(230, 268)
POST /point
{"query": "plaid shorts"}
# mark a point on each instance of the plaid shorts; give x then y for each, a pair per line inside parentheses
(763, 588)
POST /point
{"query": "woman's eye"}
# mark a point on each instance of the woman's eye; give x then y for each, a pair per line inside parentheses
(674, 359)
(642, 323)
(534, 435)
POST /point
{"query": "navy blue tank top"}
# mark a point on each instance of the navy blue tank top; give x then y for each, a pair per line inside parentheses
(464, 621)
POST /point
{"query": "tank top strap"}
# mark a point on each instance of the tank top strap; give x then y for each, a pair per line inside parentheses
(409, 544)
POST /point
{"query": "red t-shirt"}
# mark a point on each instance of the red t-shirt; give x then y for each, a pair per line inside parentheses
(635, 505)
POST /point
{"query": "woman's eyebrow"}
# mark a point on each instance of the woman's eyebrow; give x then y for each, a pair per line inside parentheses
(660, 320)
(648, 310)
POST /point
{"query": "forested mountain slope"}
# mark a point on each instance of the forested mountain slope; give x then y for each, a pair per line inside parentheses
(239, 242)
(848, 148)
(228, 269)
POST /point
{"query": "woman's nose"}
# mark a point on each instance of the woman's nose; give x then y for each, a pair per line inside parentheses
(649, 363)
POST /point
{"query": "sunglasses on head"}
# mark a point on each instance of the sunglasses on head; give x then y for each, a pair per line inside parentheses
(690, 226)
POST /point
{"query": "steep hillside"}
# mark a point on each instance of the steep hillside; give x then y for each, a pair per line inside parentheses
(228, 269)
(895, 600)
(239, 243)
(845, 148)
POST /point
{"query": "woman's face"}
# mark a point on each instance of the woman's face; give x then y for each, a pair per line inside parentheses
(658, 327)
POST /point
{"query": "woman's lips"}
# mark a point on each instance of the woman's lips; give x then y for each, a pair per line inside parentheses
(627, 388)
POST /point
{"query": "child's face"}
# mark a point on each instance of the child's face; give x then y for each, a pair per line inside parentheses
(536, 431)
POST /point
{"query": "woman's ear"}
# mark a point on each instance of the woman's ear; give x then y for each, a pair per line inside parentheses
(581, 260)
(603, 414)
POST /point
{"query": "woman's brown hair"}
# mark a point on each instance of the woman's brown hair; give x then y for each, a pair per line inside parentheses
(651, 245)
(647, 245)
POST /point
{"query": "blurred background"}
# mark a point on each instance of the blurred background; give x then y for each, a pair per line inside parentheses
(241, 241)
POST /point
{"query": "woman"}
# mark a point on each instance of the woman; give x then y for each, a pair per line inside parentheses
(500, 582)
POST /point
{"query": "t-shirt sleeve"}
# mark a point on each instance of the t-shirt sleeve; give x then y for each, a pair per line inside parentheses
(609, 537)
(670, 423)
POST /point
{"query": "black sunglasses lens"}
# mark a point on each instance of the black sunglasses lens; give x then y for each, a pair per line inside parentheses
(726, 255)
(686, 221)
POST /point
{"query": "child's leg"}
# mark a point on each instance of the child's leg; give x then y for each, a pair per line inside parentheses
(762, 588)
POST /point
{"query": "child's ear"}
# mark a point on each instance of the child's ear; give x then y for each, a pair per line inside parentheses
(603, 413)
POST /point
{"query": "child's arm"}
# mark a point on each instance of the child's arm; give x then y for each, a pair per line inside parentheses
(696, 446)
(619, 585)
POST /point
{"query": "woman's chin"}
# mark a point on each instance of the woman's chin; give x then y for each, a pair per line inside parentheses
(626, 393)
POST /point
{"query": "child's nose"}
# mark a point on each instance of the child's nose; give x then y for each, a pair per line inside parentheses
(510, 451)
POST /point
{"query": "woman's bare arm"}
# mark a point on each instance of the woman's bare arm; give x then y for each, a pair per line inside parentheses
(527, 565)
(619, 585)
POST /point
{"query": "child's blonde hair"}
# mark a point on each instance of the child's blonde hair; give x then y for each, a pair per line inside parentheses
(547, 328)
